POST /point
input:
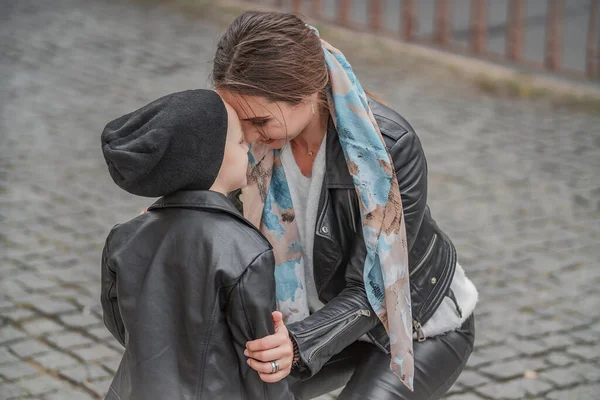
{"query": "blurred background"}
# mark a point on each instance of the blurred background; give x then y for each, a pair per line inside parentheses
(505, 96)
(560, 35)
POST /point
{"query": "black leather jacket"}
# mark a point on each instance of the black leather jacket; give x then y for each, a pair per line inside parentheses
(339, 250)
(184, 287)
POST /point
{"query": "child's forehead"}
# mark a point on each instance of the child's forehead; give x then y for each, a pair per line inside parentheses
(231, 113)
(233, 123)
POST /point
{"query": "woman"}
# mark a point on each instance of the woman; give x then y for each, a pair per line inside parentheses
(338, 184)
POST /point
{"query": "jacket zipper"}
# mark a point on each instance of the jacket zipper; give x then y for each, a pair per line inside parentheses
(355, 316)
(417, 324)
(425, 256)
(329, 323)
(419, 330)
(351, 212)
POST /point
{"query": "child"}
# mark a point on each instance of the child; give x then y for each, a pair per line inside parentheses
(186, 284)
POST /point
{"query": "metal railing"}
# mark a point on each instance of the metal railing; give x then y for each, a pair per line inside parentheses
(474, 37)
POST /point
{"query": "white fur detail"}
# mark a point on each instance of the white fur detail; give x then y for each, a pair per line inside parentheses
(446, 318)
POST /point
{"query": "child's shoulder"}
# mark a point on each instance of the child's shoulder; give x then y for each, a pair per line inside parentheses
(124, 231)
(221, 230)
(236, 231)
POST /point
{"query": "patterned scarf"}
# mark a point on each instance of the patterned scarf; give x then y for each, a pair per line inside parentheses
(268, 204)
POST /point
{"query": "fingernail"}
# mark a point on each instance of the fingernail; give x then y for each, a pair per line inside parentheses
(248, 362)
(246, 353)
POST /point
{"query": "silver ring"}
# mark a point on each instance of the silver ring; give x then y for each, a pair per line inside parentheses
(274, 367)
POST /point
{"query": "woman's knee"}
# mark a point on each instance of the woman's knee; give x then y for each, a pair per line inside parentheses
(438, 363)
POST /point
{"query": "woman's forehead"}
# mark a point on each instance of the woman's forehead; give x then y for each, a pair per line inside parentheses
(251, 107)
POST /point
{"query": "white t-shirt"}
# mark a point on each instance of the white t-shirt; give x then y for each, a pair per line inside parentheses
(305, 192)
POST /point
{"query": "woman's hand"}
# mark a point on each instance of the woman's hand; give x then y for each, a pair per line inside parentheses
(277, 347)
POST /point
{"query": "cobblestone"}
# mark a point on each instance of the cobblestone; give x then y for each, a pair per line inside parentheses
(559, 359)
(55, 360)
(100, 386)
(49, 305)
(18, 314)
(10, 334)
(69, 339)
(40, 385)
(96, 352)
(6, 357)
(83, 373)
(462, 396)
(583, 392)
(513, 182)
(589, 353)
(112, 365)
(81, 320)
(101, 333)
(528, 347)
(557, 341)
(41, 326)
(471, 378)
(563, 377)
(68, 394)
(28, 348)
(515, 389)
(11, 391)
(33, 281)
(512, 369)
(589, 372)
(585, 336)
(16, 371)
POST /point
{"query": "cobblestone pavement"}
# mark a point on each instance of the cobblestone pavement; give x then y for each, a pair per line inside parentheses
(514, 183)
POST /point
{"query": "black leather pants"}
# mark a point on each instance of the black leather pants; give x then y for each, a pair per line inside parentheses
(365, 370)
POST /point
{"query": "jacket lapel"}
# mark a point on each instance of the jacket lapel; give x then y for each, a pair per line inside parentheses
(337, 175)
(327, 250)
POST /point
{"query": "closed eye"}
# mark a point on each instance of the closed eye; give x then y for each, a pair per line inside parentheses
(260, 122)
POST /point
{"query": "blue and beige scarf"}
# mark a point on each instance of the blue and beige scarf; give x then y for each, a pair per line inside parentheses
(268, 204)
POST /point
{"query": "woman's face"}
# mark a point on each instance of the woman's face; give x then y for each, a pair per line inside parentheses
(270, 123)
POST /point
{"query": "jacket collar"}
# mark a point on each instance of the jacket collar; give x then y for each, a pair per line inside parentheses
(204, 199)
(337, 175)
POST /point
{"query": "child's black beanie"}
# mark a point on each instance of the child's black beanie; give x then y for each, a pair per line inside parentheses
(176, 142)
